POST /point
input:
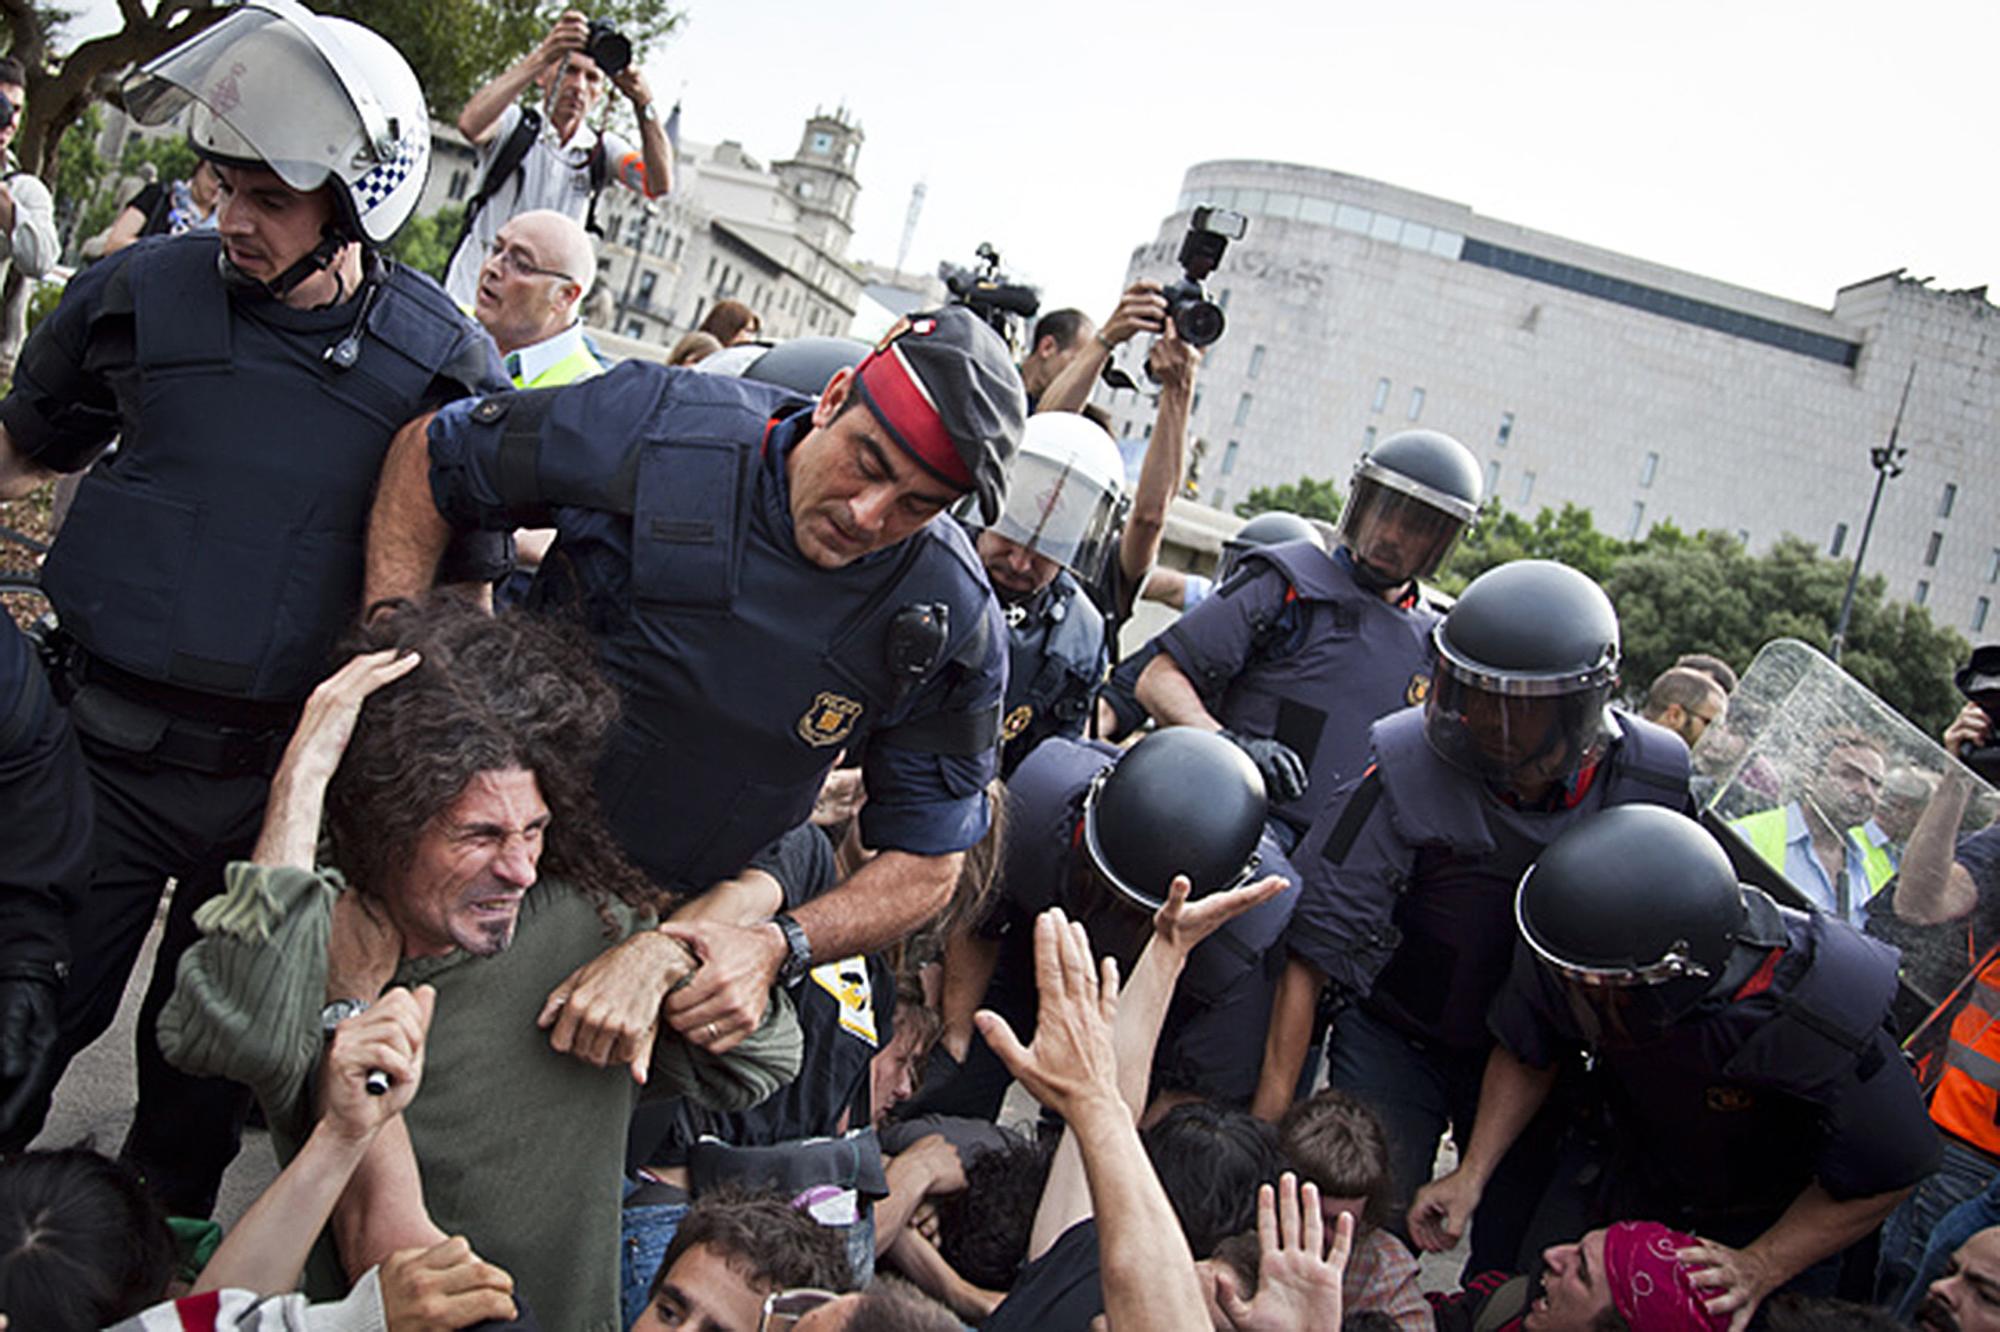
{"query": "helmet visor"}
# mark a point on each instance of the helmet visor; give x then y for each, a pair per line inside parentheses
(1398, 533)
(1519, 740)
(1059, 511)
(265, 92)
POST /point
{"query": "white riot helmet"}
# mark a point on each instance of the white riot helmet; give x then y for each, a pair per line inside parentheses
(319, 101)
(1065, 493)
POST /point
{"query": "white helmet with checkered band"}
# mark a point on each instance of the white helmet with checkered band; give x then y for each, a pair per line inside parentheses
(317, 100)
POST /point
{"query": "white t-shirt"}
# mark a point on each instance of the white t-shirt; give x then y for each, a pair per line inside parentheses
(552, 175)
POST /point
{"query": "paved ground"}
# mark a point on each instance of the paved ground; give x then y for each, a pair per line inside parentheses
(95, 1102)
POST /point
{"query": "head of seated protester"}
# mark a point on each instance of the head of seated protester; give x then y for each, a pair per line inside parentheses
(734, 1254)
(1338, 1143)
(1211, 1159)
(983, 1229)
(82, 1243)
(1625, 1277)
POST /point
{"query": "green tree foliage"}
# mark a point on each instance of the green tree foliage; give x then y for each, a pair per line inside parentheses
(425, 243)
(456, 45)
(171, 157)
(83, 205)
(1306, 497)
(1705, 592)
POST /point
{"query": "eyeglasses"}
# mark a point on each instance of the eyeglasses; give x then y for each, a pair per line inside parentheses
(784, 1308)
(518, 262)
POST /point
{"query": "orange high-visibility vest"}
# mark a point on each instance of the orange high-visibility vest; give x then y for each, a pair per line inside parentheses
(1967, 1099)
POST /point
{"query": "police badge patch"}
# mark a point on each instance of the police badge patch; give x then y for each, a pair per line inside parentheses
(1419, 690)
(829, 720)
(1017, 722)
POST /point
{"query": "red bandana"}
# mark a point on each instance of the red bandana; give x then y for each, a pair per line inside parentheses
(1649, 1286)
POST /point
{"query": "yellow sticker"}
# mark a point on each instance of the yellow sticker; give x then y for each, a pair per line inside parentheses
(847, 981)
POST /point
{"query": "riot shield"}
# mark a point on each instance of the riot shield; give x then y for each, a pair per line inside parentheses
(1818, 790)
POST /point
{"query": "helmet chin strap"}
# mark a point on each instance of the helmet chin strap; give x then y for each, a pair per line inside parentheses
(314, 261)
(1372, 578)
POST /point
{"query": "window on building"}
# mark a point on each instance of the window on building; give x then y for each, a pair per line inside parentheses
(1368, 439)
(1931, 549)
(1635, 521)
(1834, 546)
(699, 302)
(1416, 403)
(1743, 537)
(711, 269)
(646, 282)
(1506, 431)
(635, 329)
(1923, 592)
(460, 182)
(678, 241)
(1980, 607)
(1228, 459)
(1527, 490)
(1649, 469)
(611, 232)
(1222, 299)
(1126, 433)
(1256, 360)
(1993, 566)
(1381, 395)
(1242, 410)
(1492, 476)
(1149, 430)
(1194, 403)
(1949, 498)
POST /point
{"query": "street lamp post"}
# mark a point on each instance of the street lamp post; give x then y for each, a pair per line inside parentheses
(1887, 459)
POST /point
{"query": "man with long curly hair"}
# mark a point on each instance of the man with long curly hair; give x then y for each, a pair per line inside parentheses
(451, 760)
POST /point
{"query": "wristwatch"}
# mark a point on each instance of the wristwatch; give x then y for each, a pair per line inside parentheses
(649, 112)
(339, 1011)
(798, 950)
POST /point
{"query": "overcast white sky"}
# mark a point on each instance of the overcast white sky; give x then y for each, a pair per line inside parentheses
(1785, 146)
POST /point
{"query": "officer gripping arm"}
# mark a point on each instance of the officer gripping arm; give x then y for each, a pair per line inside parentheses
(932, 415)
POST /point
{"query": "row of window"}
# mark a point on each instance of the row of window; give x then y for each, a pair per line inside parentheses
(1981, 606)
(1290, 207)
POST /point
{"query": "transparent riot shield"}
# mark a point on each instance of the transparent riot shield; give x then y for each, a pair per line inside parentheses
(1821, 793)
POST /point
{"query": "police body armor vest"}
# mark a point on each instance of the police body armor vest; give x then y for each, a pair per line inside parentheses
(220, 550)
(1348, 648)
(1056, 658)
(1456, 913)
(744, 669)
(1041, 851)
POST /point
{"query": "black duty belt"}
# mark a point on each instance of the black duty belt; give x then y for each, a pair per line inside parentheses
(206, 733)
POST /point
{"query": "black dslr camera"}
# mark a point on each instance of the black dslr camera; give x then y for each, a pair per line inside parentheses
(990, 294)
(1979, 681)
(1198, 319)
(611, 49)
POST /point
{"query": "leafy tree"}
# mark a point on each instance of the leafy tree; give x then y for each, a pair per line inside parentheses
(1501, 536)
(172, 157)
(1306, 497)
(425, 243)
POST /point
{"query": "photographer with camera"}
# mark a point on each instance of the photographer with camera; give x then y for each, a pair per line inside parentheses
(549, 157)
(27, 211)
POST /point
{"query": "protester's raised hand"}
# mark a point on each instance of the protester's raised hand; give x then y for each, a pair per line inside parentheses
(389, 1039)
(1182, 924)
(327, 723)
(1072, 1065)
(1298, 1275)
(443, 1288)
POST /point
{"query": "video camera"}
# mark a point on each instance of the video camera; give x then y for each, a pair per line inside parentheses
(1198, 319)
(990, 294)
(611, 49)
(1979, 681)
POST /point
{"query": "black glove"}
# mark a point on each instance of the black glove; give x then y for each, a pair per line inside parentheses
(27, 1047)
(1284, 771)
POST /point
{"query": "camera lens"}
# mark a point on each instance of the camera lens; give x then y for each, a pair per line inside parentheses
(609, 48)
(1200, 322)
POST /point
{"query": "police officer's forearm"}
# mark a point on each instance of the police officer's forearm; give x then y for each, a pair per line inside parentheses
(1510, 1095)
(887, 899)
(1170, 698)
(1817, 1226)
(406, 534)
(1931, 886)
(1292, 1010)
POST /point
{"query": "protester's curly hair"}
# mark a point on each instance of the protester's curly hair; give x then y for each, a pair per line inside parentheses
(511, 691)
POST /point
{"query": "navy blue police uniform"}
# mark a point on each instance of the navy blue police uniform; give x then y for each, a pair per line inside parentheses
(1294, 648)
(1723, 1117)
(1224, 992)
(745, 669)
(1058, 650)
(201, 579)
(1407, 907)
(44, 861)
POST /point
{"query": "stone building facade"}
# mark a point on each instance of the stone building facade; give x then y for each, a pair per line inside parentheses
(1641, 392)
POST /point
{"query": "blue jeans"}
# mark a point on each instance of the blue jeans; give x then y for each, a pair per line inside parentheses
(647, 1231)
(1964, 1172)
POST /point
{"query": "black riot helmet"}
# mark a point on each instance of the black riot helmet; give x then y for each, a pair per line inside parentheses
(1636, 909)
(1274, 527)
(804, 365)
(1526, 662)
(1410, 497)
(1181, 801)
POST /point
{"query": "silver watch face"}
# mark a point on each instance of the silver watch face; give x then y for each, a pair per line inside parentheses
(339, 1011)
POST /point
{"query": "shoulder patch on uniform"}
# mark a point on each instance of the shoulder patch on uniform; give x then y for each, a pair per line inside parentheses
(490, 409)
(1419, 690)
(829, 720)
(1017, 722)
